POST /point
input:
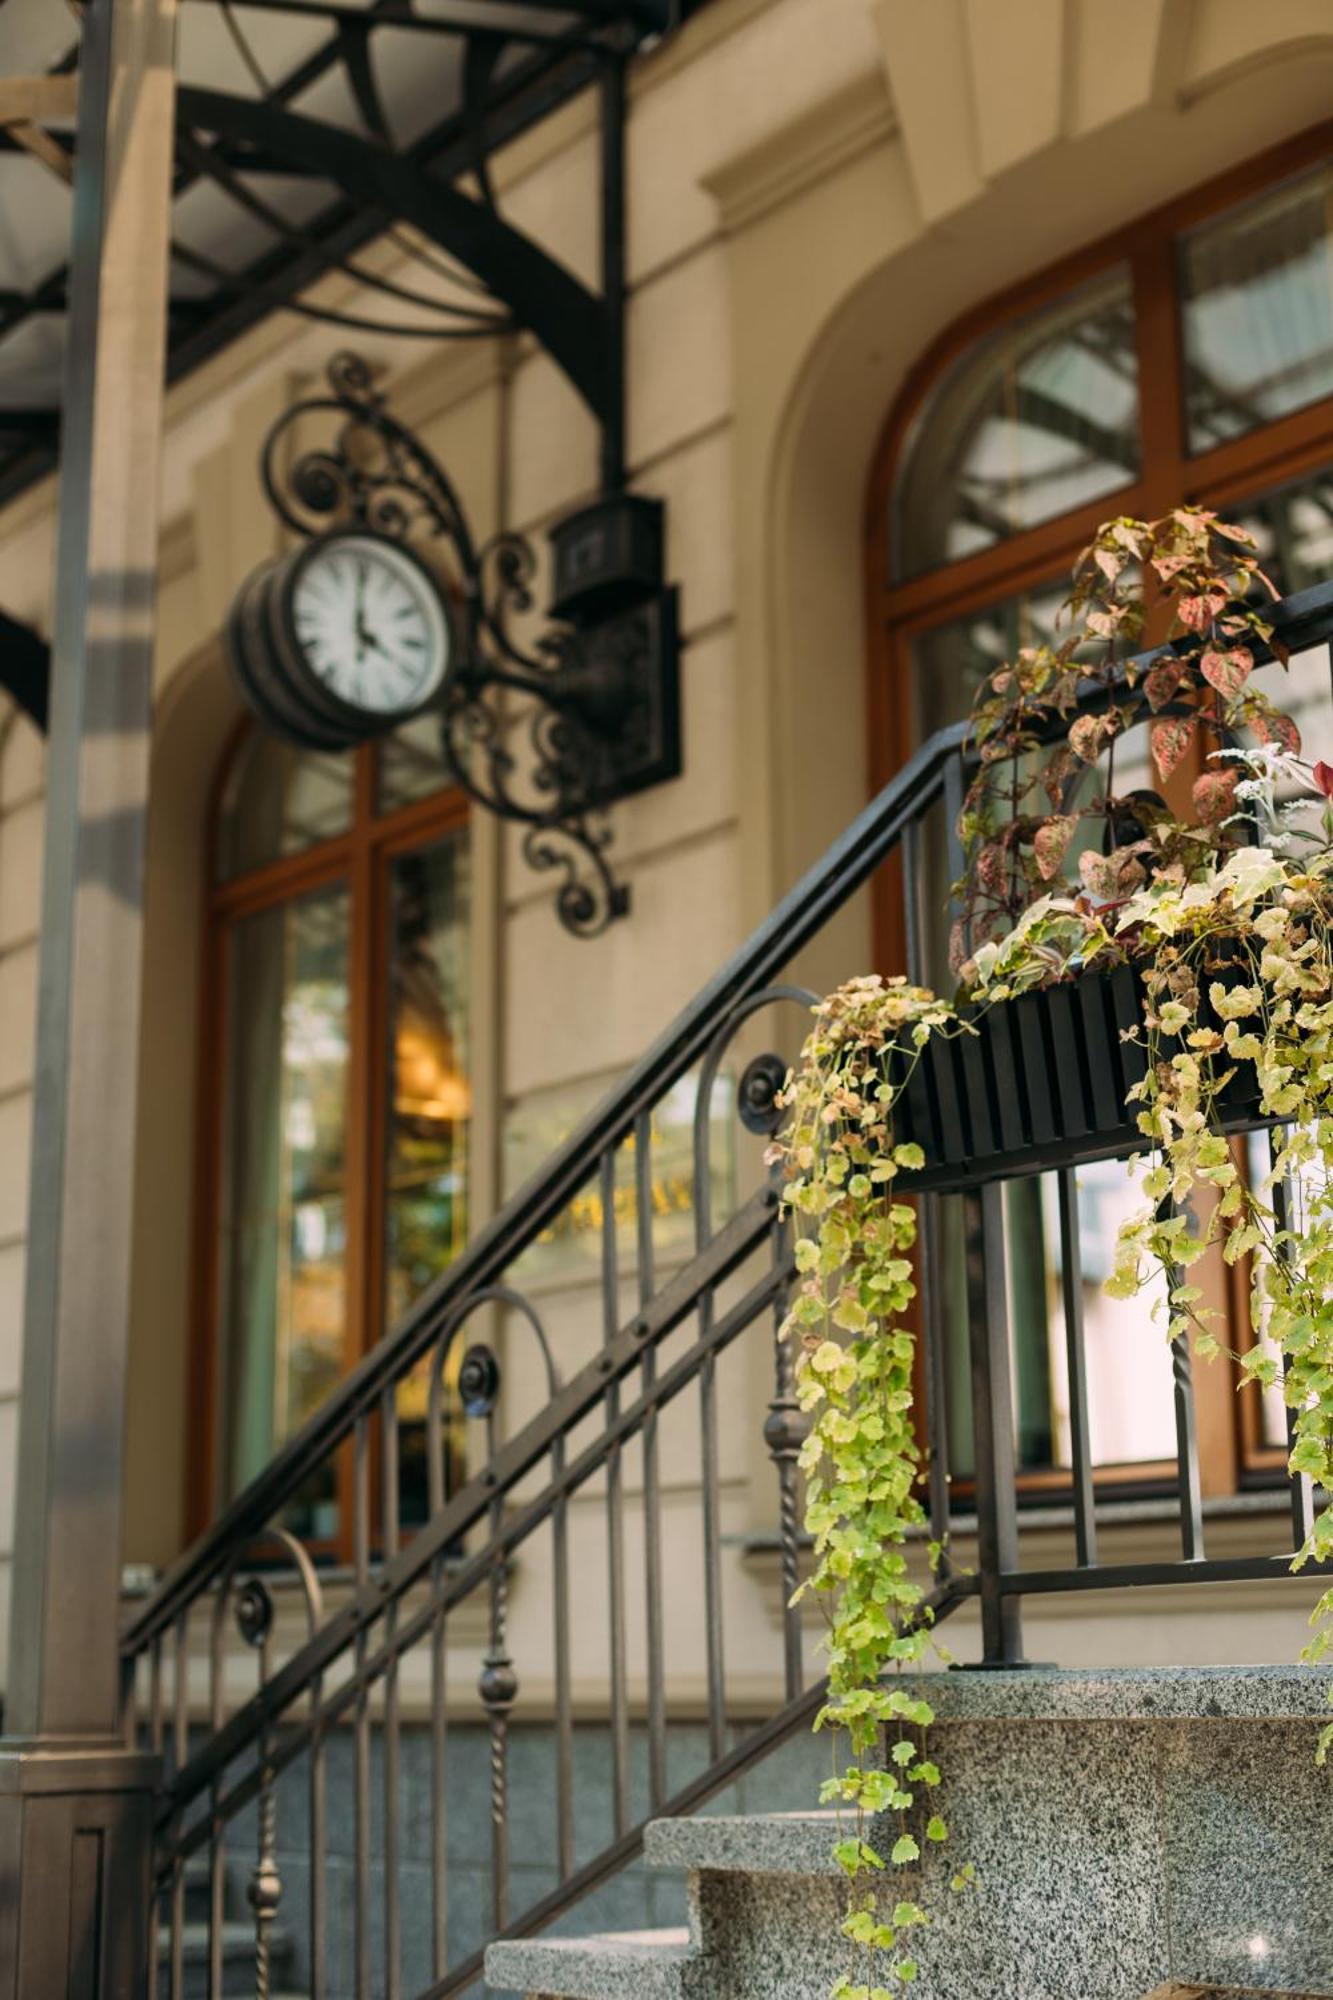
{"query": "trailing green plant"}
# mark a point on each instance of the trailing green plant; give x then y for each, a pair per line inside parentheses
(1234, 942)
(861, 1457)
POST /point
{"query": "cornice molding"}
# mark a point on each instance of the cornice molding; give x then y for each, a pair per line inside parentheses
(819, 142)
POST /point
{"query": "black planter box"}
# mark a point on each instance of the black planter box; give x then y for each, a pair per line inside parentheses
(1043, 1083)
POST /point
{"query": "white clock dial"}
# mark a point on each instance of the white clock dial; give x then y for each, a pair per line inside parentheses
(370, 624)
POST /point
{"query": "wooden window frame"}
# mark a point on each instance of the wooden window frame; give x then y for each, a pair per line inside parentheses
(358, 858)
(1226, 474)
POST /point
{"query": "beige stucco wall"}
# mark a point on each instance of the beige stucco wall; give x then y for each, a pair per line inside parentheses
(817, 188)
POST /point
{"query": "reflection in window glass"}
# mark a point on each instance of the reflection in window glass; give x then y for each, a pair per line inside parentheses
(411, 765)
(280, 800)
(1294, 530)
(1272, 1406)
(284, 1213)
(1257, 292)
(1131, 1407)
(1038, 418)
(1130, 1383)
(430, 1105)
(949, 662)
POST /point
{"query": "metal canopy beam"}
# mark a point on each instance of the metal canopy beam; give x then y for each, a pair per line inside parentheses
(25, 667)
(400, 14)
(584, 34)
(572, 323)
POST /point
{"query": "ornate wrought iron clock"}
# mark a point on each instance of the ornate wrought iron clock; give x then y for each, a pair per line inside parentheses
(387, 610)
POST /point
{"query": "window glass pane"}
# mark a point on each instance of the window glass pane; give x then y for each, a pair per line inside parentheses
(1294, 530)
(411, 765)
(948, 664)
(279, 800)
(1037, 418)
(284, 1212)
(1130, 1382)
(430, 1105)
(1257, 306)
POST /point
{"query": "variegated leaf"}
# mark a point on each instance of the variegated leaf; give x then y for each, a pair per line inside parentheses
(1050, 843)
(1227, 672)
(1215, 795)
(1171, 738)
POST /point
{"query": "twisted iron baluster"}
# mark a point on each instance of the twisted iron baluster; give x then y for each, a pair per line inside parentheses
(254, 1616)
(265, 1891)
(497, 1684)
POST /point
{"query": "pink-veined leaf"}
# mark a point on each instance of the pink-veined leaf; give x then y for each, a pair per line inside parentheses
(1162, 681)
(1088, 734)
(1272, 726)
(1171, 738)
(1197, 613)
(1050, 843)
(1215, 795)
(1227, 672)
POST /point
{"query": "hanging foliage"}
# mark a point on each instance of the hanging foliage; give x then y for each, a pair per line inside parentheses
(1234, 943)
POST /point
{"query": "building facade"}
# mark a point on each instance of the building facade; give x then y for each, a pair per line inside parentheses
(917, 296)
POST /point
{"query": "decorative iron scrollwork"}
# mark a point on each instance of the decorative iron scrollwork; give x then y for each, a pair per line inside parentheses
(757, 1097)
(546, 729)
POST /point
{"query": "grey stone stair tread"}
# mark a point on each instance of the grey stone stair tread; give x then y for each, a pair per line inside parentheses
(238, 1938)
(1127, 1694)
(622, 1965)
(796, 1843)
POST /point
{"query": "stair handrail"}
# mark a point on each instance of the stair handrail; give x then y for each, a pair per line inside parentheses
(821, 891)
(1298, 621)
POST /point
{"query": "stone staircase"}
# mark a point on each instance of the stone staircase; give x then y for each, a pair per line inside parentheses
(1128, 1830)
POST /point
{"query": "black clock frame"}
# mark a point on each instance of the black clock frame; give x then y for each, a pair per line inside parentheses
(292, 659)
(546, 732)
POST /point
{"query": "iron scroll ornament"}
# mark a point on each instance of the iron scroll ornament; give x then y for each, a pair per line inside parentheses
(544, 731)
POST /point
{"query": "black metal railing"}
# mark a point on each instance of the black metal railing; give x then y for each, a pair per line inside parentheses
(558, 1650)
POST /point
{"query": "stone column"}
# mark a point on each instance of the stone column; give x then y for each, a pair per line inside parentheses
(75, 1804)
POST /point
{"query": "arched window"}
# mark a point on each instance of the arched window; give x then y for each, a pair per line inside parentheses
(336, 1096)
(1188, 358)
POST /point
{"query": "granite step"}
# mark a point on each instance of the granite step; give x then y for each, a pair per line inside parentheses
(620, 1965)
(1125, 1827)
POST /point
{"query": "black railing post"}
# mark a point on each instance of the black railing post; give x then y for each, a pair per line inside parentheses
(993, 1424)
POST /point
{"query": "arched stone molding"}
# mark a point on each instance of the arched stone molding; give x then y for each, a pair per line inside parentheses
(197, 713)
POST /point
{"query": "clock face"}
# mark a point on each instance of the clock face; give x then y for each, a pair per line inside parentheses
(370, 624)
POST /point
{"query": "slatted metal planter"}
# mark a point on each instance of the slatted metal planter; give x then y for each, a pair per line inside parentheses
(1044, 1081)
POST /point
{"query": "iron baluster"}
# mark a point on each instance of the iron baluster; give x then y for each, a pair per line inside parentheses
(993, 1425)
(1188, 1478)
(254, 1617)
(784, 1432)
(1286, 1208)
(652, 1499)
(439, 1797)
(934, 1334)
(1080, 1432)
(564, 1704)
(389, 1754)
(361, 1722)
(318, 1859)
(497, 1683)
(615, 1511)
